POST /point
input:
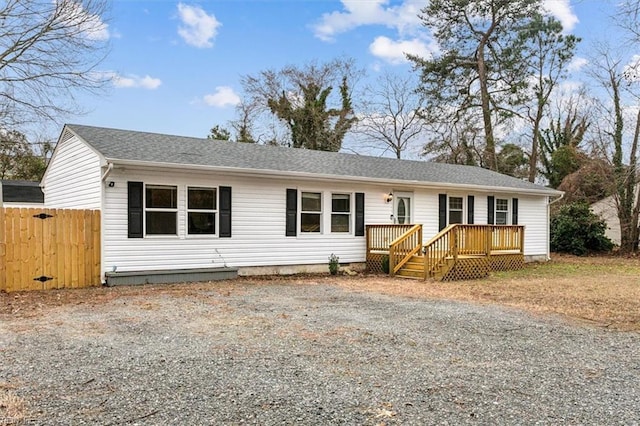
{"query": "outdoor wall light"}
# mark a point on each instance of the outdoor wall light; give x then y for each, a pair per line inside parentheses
(388, 197)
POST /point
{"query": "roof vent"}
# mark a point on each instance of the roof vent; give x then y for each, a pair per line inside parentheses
(66, 135)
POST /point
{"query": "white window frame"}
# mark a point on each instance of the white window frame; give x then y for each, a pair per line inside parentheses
(320, 213)
(349, 214)
(461, 210)
(160, 209)
(506, 212)
(215, 212)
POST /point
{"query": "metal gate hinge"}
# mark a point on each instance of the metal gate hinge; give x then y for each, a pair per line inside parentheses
(42, 216)
(43, 278)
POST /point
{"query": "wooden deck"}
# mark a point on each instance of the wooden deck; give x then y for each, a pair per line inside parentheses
(458, 252)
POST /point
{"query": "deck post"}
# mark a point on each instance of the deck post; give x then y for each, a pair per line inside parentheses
(489, 240)
(455, 245)
(521, 229)
(392, 261)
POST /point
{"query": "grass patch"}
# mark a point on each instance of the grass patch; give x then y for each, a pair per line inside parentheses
(13, 409)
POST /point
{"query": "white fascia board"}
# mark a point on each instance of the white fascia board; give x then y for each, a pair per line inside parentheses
(329, 177)
(103, 160)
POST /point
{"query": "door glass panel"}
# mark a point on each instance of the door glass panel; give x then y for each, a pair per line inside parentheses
(403, 211)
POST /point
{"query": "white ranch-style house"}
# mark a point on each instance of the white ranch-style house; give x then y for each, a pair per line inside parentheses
(180, 205)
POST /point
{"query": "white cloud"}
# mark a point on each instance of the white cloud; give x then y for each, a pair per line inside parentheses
(393, 51)
(222, 97)
(631, 70)
(403, 17)
(78, 18)
(133, 81)
(198, 29)
(561, 10)
(577, 64)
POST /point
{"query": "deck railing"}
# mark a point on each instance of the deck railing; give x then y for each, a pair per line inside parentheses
(380, 237)
(471, 240)
(439, 248)
(401, 242)
(404, 247)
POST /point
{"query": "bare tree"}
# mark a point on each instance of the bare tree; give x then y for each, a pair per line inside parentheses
(49, 50)
(612, 75)
(454, 141)
(389, 114)
(243, 125)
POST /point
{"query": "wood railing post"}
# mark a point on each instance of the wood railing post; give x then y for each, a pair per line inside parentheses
(392, 260)
(521, 229)
(455, 245)
(489, 240)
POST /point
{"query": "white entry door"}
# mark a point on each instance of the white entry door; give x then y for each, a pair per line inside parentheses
(402, 208)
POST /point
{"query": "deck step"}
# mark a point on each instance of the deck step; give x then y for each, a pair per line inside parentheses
(410, 273)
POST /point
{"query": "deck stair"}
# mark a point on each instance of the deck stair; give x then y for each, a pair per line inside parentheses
(458, 252)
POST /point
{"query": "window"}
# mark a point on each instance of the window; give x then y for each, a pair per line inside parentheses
(455, 210)
(502, 211)
(340, 212)
(201, 211)
(161, 209)
(311, 212)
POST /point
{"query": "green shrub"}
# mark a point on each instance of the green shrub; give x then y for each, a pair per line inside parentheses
(577, 230)
(334, 264)
(385, 264)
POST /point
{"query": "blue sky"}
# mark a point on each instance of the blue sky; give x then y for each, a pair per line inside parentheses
(175, 66)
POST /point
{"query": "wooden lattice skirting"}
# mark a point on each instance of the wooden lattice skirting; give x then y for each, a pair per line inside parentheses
(468, 269)
(507, 262)
(479, 267)
(374, 263)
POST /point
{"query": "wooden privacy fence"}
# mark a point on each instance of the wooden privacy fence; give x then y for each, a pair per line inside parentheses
(49, 248)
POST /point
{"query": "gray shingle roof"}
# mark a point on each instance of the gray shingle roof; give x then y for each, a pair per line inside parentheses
(115, 144)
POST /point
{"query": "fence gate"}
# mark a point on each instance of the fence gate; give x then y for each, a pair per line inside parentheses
(49, 248)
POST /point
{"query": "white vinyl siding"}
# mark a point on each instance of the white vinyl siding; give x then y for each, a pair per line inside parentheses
(258, 224)
(259, 221)
(73, 177)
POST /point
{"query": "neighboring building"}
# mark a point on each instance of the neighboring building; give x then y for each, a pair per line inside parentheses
(170, 202)
(608, 211)
(20, 193)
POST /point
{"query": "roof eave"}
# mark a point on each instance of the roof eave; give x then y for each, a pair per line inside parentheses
(331, 177)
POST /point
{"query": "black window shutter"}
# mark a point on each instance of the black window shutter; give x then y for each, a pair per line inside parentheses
(442, 211)
(470, 209)
(514, 211)
(292, 212)
(134, 205)
(225, 212)
(359, 214)
(491, 208)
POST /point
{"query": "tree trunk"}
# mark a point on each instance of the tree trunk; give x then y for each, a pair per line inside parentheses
(490, 143)
(533, 159)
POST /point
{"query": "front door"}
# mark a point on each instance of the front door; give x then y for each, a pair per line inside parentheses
(402, 213)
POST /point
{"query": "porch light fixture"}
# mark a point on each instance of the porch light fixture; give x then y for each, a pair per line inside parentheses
(388, 197)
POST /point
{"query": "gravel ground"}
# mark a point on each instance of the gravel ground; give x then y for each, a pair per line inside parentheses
(282, 353)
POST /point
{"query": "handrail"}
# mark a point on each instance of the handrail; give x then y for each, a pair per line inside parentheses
(380, 236)
(403, 247)
(460, 240)
(437, 249)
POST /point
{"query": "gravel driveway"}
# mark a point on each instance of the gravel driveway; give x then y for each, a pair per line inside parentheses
(285, 353)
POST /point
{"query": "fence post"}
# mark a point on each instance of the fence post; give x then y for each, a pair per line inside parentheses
(3, 263)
